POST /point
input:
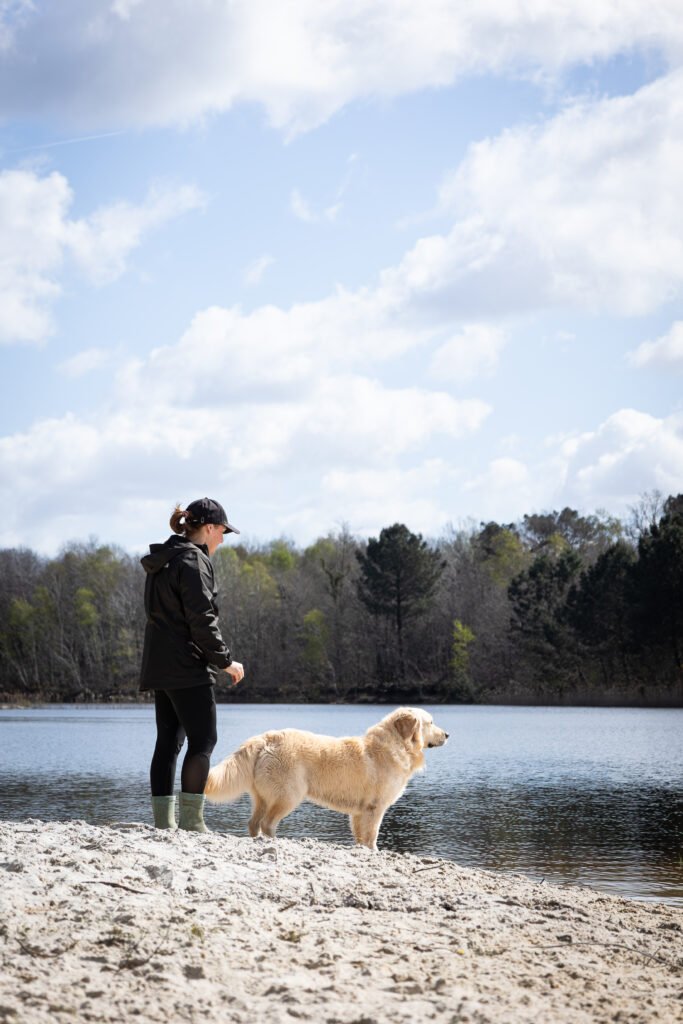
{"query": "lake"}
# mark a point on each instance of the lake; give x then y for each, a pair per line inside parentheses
(587, 796)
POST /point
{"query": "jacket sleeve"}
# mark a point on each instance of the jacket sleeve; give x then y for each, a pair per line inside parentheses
(196, 593)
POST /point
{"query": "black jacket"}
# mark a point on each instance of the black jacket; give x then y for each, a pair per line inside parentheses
(183, 642)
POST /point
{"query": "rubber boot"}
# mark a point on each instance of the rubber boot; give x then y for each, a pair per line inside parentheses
(192, 812)
(163, 808)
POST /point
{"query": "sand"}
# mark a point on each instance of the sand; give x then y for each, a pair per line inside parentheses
(125, 922)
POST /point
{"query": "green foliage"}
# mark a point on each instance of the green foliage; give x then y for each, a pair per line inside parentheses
(538, 598)
(44, 603)
(324, 550)
(658, 577)
(257, 581)
(463, 637)
(227, 560)
(599, 610)
(399, 573)
(334, 557)
(282, 556)
(554, 606)
(555, 532)
(21, 616)
(84, 606)
(599, 605)
(316, 636)
(500, 550)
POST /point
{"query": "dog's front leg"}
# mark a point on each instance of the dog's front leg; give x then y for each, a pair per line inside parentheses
(365, 827)
(374, 822)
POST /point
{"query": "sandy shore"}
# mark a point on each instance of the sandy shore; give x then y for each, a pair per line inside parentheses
(128, 923)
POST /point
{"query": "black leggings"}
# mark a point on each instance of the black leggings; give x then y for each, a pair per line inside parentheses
(183, 713)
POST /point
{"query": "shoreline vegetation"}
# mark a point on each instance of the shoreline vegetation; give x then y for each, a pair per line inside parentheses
(658, 700)
(127, 922)
(556, 609)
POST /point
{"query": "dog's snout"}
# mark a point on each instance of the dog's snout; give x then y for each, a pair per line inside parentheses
(446, 735)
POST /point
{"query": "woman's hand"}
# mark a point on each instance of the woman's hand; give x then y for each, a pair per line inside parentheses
(236, 670)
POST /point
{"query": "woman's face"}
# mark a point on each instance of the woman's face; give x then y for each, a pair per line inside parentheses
(214, 537)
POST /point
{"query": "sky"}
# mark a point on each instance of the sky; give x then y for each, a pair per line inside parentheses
(341, 263)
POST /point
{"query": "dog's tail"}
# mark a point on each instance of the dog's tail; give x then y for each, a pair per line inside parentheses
(235, 775)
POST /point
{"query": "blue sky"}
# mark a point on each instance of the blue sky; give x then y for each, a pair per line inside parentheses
(336, 263)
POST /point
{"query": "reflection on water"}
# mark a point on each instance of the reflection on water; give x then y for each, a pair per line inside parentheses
(587, 796)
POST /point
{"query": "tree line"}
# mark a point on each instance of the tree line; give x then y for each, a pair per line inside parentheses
(555, 608)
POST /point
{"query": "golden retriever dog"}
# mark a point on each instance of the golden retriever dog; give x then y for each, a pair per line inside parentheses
(358, 775)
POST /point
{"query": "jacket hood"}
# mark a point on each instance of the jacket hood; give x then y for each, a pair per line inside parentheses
(161, 554)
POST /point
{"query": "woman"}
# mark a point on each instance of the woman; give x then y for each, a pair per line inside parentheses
(183, 649)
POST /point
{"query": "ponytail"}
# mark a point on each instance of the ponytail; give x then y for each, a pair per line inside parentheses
(178, 526)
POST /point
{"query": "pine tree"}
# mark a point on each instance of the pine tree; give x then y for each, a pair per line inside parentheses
(399, 573)
(659, 587)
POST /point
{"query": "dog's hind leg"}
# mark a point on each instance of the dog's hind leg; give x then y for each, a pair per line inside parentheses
(356, 821)
(258, 809)
(275, 813)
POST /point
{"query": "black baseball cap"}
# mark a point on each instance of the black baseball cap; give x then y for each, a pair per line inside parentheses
(206, 510)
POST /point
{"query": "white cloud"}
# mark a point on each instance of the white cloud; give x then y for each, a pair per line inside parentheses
(86, 362)
(102, 243)
(166, 61)
(472, 352)
(348, 420)
(630, 453)
(580, 211)
(88, 469)
(12, 13)
(288, 402)
(363, 419)
(506, 489)
(371, 499)
(665, 352)
(303, 210)
(36, 236)
(289, 398)
(253, 274)
(300, 207)
(502, 474)
(32, 221)
(124, 8)
(337, 446)
(273, 353)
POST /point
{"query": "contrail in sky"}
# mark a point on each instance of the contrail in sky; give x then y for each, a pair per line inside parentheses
(66, 142)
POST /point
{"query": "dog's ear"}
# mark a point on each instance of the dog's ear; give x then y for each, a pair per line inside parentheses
(406, 725)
